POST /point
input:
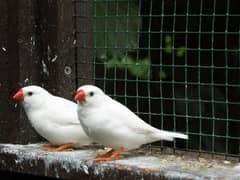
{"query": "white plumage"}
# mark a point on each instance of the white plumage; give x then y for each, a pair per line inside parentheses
(113, 124)
(54, 118)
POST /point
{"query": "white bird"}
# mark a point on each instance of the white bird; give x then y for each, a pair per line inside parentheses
(113, 124)
(54, 118)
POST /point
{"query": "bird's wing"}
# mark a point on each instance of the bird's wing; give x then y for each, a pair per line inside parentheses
(62, 111)
(132, 122)
(127, 118)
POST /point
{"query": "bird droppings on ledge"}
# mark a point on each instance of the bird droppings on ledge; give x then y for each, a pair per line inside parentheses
(33, 154)
(138, 164)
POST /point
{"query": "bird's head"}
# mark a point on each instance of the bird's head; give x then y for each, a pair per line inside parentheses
(89, 94)
(31, 96)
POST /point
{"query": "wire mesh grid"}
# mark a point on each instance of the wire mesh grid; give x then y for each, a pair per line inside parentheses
(175, 64)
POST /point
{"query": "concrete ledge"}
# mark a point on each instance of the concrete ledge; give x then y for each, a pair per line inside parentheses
(141, 164)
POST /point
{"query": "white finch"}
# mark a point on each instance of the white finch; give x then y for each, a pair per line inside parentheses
(113, 124)
(54, 118)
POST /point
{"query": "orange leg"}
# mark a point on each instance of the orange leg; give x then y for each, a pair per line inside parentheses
(107, 154)
(114, 155)
(48, 146)
(54, 148)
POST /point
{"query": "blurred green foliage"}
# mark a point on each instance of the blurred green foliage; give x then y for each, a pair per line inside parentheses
(116, 27)
(162, 74)
(139, 68)
(168, 44)
(116, 32)
(180, 51)
(169, 47)
(142, 67)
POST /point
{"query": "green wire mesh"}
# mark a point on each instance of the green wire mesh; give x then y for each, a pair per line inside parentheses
(175, 64)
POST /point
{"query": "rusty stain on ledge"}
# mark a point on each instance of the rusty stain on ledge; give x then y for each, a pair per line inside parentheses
(140, 164)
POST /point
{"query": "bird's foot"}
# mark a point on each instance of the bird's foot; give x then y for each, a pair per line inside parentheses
(104, 153)
(110, 156)
(60, 148)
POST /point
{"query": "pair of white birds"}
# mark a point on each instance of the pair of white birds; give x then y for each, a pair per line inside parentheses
(95, 118)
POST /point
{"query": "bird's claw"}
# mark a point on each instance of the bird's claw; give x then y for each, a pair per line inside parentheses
(110, 156)
(53, 148)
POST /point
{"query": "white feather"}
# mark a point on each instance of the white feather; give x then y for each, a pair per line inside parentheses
(54, 118)
(113, 124)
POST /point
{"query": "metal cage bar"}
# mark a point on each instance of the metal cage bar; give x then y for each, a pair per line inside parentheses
(176, 64)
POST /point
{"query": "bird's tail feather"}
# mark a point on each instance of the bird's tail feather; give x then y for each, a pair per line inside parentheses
(169, 136)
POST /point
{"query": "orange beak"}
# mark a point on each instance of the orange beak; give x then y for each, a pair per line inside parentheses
(80, 96)
(19, 96)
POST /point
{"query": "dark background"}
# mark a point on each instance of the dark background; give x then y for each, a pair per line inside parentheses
(40, 40)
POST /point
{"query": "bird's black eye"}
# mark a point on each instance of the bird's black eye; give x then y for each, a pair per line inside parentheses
(30, 93)
(91, 93)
